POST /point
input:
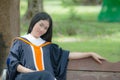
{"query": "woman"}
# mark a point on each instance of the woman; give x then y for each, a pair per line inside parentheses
(34, 56)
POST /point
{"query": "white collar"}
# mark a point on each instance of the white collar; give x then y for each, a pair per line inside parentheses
(33, 40)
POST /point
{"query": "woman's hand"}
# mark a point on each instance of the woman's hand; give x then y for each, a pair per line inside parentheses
(23, 69)
(97, 57)
(80, 55)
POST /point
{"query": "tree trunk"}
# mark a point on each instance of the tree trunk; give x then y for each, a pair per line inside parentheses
(9, 27)
(34, 6)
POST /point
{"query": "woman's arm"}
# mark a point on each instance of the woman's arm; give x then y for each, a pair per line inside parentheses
(78, 55)
(23, 69)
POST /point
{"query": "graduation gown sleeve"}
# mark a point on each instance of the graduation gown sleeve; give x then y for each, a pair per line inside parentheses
(13, 59)
(59, 59)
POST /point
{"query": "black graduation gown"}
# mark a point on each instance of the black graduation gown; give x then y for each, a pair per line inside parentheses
(55, 61)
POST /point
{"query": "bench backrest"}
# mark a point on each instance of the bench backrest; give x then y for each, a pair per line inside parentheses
(88, 69)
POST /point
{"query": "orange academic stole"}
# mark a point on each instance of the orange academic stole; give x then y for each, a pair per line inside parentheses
(37, 54)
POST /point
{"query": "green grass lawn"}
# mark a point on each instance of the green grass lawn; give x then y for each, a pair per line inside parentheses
(109, 49)
(77, 29)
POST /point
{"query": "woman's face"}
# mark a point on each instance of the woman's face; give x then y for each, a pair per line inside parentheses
(40, 28)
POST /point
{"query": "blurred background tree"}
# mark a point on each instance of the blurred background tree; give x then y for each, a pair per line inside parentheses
(110, 11)
(9, 27)
(33, 7)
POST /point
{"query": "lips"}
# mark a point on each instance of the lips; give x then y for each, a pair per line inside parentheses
(39, 33)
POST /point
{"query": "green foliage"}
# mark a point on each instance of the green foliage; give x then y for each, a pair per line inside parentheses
(23, 7)
(68, 2)
(110, 11)
(73, 14)
(82, 28)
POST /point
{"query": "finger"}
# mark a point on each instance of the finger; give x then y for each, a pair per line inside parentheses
(101, 58)
(98, 60)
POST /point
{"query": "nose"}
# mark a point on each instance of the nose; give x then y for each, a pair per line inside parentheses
(42, 29)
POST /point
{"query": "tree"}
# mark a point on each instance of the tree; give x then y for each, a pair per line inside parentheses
(34, 6)
(110, 11)
(9, 27)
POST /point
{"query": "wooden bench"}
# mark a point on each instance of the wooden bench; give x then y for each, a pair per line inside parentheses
(88, 69)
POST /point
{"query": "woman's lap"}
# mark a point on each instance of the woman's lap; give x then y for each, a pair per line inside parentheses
(39, 75)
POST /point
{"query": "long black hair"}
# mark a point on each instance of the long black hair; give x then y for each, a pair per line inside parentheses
(42, 16)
